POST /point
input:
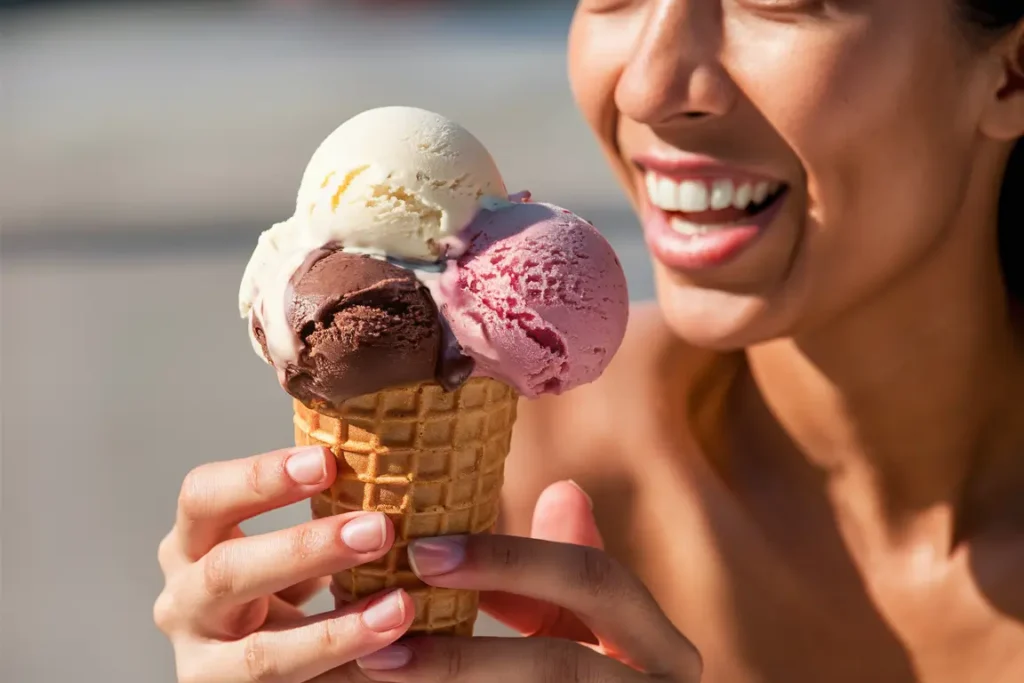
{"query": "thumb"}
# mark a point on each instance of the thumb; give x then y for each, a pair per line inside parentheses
(564, 513)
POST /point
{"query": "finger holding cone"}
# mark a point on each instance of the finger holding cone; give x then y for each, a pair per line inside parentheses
(433, 461)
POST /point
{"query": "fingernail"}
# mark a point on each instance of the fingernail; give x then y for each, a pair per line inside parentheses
(385, 614)
(590, 501)
(306, 466)
(365, 534)
(391, 657)
(434, 556)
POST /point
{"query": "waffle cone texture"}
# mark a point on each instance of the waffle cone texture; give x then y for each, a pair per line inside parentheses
(433, 461)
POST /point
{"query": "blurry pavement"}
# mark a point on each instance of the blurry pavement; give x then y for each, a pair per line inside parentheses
(142, 153)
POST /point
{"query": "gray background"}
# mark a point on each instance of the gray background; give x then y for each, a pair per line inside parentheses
(144, 147)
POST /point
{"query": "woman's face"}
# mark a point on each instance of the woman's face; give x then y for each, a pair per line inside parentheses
(789, 159)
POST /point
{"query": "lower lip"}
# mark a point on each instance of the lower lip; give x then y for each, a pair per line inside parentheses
(709, 250)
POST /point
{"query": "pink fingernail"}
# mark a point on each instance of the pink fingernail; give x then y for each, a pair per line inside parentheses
(439, 555)
(387, 659)
(306, 466)
(365, 534)
(590, 501)
(386, 613)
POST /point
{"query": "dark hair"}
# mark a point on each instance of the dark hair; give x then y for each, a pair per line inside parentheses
(997, 17)
(1011, 217)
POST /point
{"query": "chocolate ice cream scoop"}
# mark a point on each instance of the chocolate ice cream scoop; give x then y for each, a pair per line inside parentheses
(362, 325)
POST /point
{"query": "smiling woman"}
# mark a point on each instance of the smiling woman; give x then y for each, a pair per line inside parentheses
(806, 463)
(865, 398)
(834, 100)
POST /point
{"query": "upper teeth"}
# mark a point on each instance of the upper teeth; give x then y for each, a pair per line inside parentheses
(700, 195)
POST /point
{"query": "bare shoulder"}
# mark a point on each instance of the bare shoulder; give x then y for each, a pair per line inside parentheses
(578, 433)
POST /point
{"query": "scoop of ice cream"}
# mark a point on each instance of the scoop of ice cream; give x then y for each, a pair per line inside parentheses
(397, 181)
(394, 181)
(264, 261)
(362, 325)
(537, 300)
(533, 294)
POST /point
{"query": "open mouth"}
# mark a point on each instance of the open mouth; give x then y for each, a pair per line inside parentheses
(697, 206)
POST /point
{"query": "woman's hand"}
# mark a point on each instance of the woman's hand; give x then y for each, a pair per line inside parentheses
(230, 601)
(592, 620)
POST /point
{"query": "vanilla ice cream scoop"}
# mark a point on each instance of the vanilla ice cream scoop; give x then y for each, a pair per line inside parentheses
(396, 180)
(393, 182)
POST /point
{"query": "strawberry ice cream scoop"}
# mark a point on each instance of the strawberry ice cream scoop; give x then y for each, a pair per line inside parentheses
(537, 298)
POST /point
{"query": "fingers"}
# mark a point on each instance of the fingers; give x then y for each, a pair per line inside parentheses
(325, 642)
(309, 649)
(495, 660)
(564, 513)
(236, 572)
(608, 599)
(530, 617)
(216, 497)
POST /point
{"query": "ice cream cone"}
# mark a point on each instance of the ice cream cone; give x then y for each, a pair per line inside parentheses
(433, 461)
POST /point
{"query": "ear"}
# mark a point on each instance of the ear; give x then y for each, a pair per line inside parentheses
(1004, 117)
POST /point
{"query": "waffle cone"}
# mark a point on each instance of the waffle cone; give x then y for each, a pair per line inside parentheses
(433, 461)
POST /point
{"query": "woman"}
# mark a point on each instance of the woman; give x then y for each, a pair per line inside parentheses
(811, 453)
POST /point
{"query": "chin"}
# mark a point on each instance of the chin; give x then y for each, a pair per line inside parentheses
(712, 319)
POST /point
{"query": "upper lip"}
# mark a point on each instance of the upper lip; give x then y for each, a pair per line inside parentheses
(680, 166)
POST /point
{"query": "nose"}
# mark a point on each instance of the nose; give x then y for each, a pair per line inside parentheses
(674, 73)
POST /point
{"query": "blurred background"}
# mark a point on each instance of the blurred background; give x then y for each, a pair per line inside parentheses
(143, 147)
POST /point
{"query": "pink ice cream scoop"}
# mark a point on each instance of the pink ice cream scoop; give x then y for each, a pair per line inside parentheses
(537, 300)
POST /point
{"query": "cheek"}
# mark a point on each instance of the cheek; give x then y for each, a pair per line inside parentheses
(872, 118)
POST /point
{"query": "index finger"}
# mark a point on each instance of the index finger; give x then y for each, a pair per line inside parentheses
(218, 496)
(495, 660)
(563, 513)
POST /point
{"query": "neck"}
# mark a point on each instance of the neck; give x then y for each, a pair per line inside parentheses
(901, 403)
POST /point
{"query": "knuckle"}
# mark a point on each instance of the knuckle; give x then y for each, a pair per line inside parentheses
(259, 666)
(257, 476)
(455, 663)
(166, 552)
(244, 620)
(451, 655)
(333, 635)
(560, 663)
(500, 553)
(304, 541)
(194, 499)
(329, 636)
(599, 574)
(218, 574)
(164, 611)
